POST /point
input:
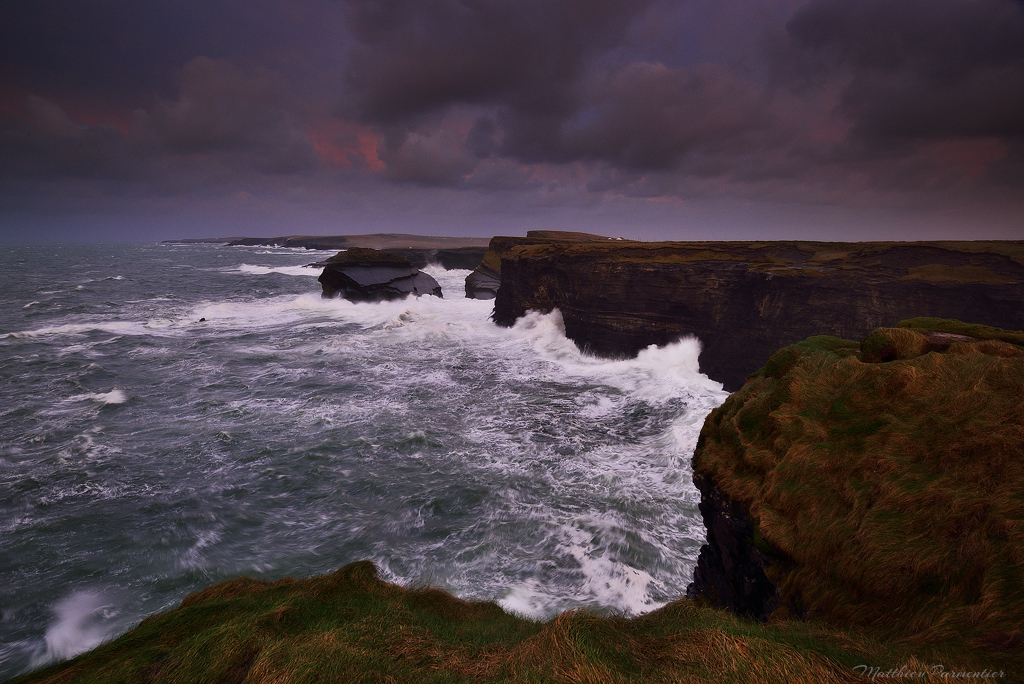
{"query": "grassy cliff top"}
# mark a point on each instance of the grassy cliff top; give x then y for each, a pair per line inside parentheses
(352, 627)
(988, 261)
(887, 478)
(364, 256)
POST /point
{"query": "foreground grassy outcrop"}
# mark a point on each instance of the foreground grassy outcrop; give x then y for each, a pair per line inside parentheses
(352, 627)
(883, 482)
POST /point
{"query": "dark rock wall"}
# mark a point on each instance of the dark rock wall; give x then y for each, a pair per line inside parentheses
(745, 301)
(730, 571)
(455, 258)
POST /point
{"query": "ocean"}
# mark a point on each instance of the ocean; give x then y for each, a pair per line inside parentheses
(146, 453)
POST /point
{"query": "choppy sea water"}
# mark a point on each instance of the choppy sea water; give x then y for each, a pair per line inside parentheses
(146, 454)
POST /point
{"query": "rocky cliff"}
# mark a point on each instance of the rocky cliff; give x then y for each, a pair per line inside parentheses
(485, 279)
(874, 485)
(745, 300)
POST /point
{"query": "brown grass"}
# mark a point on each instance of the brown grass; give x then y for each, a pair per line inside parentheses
(895, 488)
(352, 627)
(940, 273)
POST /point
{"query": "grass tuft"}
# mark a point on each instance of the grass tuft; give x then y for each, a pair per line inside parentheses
(891, 479)
(350, 626)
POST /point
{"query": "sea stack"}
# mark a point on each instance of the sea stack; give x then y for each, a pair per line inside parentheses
(370, 275)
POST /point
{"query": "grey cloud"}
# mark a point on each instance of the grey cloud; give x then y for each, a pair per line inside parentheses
(125, 51)
(532, 103)
(46, 142)
(550, 73)
(428, 159)
(223, 108)
(417, 56)
(919, 68)
(649, 116)
(224, 116)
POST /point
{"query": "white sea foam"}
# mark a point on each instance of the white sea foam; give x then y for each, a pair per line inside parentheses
(32, 303)
(284, 270)
(537, 473)
(534, 349)
(82, 623)
(655, 373)
(115, 327)
(603, 579)
(114, 396)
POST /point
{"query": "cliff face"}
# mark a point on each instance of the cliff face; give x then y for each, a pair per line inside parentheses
(484, 281)
(731, 568)
(875, 485)
(746, 300)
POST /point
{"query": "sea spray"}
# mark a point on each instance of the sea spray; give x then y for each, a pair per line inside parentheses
(155, 453)
(81, 623)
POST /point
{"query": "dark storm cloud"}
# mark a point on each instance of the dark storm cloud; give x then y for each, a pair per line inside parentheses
(48, 143)
(434, 158)
(147, 91)
(539, 102)
(648, 116)
(927, 69)
(229, 117)
(416, 56)
(558, 86)
(561, 88)
(223, 108)
(116, 48)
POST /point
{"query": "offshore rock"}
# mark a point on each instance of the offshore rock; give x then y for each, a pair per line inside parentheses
(873, 485)
(369, 275)
(745, 300)
(483, 283)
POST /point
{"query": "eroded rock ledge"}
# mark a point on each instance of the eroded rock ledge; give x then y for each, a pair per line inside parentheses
(745, 300)
(369, 275)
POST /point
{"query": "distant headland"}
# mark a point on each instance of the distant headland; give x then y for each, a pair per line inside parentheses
(370, 240)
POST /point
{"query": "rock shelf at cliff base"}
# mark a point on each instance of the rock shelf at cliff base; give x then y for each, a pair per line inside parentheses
(745, 300)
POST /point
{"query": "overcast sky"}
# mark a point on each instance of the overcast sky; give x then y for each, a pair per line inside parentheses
(658, 119)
